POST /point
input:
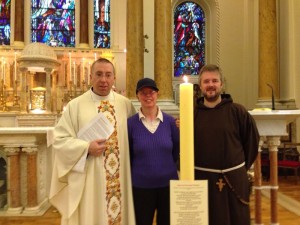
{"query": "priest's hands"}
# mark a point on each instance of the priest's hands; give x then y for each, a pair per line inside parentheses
(97, 147)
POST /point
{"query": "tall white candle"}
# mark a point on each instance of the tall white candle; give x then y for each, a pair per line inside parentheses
(95, 56)
(186, 131)
(15, 72)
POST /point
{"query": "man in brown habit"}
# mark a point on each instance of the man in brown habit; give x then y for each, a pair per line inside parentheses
(226, 145)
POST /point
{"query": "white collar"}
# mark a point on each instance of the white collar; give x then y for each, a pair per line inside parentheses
(97, 98)
(159, 114)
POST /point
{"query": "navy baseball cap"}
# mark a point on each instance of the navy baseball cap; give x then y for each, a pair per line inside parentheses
(146, 82)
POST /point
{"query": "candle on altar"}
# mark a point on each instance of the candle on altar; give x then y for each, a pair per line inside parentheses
(82, 68)
(4, 72)
(70, 65)
(95, 56)
(15, 72)
(74, 75)
(89, 73)
(186, 131)
(2, 68)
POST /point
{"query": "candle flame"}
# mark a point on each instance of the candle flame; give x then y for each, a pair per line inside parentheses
(185, 79)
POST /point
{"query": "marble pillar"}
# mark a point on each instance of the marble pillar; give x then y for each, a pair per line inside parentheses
(135, 46)
(163, 48)
(48, 89)
(31, 153)
(54, 91)
(30, 80)
(19, 24)
(23, 93)
(84, 33)
(268, 58)
(14, 188)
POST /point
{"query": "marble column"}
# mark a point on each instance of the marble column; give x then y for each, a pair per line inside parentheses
(30, 80)
(268, 58)
(135, 46)
(24, 90)
(31, 153)
(163, 48)
(54, 91)
(19, 24)
(84, 33)
(48, 89)
(14, 189)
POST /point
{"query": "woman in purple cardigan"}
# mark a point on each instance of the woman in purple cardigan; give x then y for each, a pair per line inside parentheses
(154, 151)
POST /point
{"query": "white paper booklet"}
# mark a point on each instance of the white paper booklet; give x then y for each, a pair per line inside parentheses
(98, 128)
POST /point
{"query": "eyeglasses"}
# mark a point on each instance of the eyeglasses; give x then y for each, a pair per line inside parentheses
(145, 93)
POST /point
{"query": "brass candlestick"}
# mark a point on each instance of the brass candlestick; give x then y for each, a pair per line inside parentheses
(83, 89)
(16, 97)
(2, 96)
(70, 92)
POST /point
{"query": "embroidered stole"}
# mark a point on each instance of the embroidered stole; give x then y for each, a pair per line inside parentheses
(112, 168)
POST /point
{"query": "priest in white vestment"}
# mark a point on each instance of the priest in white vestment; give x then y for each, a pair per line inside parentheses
(99, 192)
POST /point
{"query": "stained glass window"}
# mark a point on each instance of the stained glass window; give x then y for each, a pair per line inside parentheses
(189, 39)
(101, 23)
(53, 22)
(5, 22)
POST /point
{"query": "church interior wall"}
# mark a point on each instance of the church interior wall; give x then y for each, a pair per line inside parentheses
(237, 39)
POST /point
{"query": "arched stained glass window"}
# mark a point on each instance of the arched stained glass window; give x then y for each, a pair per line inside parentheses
(53, 22)
(5, 22)
(189, 39)
(101, 23)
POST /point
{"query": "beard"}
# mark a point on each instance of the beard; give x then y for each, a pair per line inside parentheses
(211, 98)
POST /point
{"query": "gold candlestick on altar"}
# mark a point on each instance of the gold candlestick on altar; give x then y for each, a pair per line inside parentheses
(70, 92)
(83, 89)
(16, 97)
(2, 96)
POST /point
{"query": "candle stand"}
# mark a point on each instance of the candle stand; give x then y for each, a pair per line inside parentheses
(16, 97)
(84, 87)
(2, 96)
(71, 92)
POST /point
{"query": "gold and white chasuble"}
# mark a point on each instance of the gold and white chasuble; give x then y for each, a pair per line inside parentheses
(102, 194)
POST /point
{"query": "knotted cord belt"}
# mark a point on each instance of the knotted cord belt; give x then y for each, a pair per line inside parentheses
(220, 184)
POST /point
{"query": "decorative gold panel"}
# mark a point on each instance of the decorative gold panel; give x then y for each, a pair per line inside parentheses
(37, 99)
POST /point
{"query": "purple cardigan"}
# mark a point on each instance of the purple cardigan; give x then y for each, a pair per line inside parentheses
(153, 156)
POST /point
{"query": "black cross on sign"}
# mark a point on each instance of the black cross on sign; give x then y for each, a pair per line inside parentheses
(220, 184)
